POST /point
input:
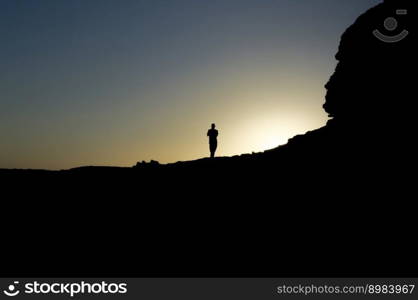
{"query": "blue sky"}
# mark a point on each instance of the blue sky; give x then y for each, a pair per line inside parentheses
(106, 82)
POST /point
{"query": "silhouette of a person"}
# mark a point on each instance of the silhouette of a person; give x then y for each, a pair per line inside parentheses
(213, 142)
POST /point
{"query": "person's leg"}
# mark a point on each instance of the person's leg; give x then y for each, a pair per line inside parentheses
(212, 148)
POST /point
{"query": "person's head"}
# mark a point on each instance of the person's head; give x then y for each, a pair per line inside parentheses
(213, 125)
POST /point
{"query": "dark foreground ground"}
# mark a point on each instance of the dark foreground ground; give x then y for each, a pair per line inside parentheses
(337, 201)
(255, 215)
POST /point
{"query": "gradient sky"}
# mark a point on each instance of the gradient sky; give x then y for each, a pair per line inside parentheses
(112, 82)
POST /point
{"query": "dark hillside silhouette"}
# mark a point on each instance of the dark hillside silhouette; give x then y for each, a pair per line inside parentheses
(334, 201)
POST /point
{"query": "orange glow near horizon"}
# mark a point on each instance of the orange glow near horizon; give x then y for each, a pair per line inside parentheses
(177, 132)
